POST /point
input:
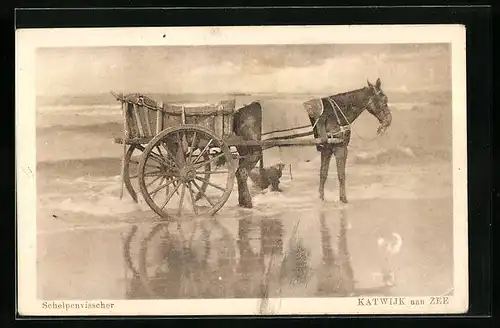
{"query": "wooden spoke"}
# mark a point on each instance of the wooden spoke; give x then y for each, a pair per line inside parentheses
(172, 158)
(210, 183)
(169, 196)
(148, 165)
(193, 200)
(159, 151)
(181, 153)
(152, 174)
(161, 187)
(156, 167)
(204, 150)
(200, 160)
(160, 156)
(154, 180)
(161, 181)
(183, 141)
(192, 147)
(177, 192)
(157, 158)
(213, 159)
(202, 193)
(183, 191)
(212, 172)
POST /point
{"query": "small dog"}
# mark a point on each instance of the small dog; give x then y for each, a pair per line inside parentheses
(268, 177)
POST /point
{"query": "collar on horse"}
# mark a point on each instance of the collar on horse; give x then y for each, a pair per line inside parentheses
(336, 107)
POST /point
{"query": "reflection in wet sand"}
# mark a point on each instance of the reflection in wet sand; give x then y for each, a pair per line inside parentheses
(202, 258)
(183, 261)
(335, 275)
(330, 250)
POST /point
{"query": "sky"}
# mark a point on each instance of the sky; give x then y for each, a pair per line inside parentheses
(328, 68)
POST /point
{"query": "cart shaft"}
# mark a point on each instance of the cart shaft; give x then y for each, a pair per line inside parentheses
(241, 142)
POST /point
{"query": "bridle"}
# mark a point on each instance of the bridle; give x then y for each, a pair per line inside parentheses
(335, 107)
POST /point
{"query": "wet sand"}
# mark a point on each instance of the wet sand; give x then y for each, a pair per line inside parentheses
(82, 225)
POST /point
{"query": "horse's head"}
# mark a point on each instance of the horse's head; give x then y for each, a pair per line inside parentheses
(378, 105)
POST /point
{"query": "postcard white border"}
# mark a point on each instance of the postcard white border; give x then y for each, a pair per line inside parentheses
(28, 40)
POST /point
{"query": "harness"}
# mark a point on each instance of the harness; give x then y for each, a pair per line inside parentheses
(336, 107)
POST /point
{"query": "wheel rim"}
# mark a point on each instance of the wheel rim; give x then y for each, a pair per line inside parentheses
(131, 173)
(180, 172)
(127, 245)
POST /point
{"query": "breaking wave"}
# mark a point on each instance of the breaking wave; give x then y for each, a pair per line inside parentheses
(400, 154)
(95, 167)
(110, 128)
(95, 109)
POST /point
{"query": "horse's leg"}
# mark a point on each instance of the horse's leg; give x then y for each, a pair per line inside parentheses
(246, 164)
(244, 197)
(341, 159)
(247, 126)
(326, 156)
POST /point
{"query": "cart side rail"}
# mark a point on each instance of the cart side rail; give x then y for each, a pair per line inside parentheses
(145, 118)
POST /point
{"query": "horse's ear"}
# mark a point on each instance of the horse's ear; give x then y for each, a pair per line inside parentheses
(369, 84)
(378, 84)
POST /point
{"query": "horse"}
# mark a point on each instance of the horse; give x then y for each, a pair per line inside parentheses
(329, 116)
(247, 125)
(332, 116)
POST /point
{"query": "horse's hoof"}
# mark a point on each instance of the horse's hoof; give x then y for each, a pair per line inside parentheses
(344, 200)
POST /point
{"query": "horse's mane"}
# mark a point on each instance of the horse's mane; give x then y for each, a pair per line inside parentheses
(347, 93)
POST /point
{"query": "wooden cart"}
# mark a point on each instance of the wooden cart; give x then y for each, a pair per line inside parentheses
(179, 154)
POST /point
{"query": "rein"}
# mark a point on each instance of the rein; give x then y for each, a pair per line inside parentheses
(335, 107)
(347, 127)
(365, 107)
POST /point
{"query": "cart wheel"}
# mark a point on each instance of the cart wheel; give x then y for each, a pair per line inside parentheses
(131, 172)
(177, 261)
(168, 261)
(179, 167)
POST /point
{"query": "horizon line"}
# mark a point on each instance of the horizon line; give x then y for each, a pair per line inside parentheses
(237, 93)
